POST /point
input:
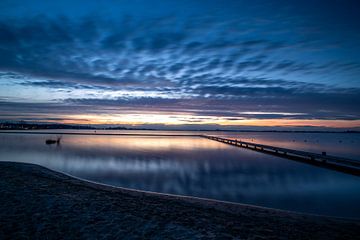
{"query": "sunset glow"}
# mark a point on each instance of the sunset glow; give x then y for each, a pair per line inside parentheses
(208, 66)
(156, 118)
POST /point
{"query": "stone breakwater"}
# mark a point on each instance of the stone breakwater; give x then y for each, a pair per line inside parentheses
(38, 203)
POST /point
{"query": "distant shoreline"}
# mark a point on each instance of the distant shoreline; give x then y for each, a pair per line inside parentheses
(27, 126)
(36, 201)
(94, 133)
(162, 130)
(103, 134)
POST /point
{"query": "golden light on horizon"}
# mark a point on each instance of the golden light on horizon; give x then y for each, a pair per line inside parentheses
(188, 119)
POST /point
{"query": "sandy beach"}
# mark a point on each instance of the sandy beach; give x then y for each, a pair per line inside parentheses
(38, 203)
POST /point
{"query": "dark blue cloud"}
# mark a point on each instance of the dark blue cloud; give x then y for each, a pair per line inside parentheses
(238, 55)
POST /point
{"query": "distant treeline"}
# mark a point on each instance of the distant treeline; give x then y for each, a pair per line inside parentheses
(34, 126)
(39, 126)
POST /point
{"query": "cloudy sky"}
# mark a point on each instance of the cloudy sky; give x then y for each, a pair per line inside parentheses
(181, 64)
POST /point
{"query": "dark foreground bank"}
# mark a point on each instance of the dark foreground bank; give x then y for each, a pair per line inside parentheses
(36, 202)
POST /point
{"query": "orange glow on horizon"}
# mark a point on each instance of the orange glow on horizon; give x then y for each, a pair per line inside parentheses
(185, 119)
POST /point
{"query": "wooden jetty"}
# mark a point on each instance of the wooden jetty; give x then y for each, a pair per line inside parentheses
(322, 160)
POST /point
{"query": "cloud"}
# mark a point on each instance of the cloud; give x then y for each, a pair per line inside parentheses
(326, 106)
(219, 65)
(101, 52)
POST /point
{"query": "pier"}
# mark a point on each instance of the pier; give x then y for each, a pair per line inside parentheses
(322, 160)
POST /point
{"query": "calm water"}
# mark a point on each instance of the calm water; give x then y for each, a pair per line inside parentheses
(203, 168)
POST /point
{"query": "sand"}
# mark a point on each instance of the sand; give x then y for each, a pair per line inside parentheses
(38, 203)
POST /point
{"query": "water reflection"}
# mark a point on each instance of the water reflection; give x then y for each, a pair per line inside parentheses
(192, 166)
(337, 144)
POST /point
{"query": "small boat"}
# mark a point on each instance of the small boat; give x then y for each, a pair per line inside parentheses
(52, 141)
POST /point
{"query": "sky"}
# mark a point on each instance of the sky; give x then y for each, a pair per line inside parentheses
(181, 64)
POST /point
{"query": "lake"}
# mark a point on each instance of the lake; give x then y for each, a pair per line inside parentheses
(200, 167)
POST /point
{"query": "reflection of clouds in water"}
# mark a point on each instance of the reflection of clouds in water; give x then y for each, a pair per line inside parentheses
(145, 143)
(187, 177)
(125, 165)
(197, 167)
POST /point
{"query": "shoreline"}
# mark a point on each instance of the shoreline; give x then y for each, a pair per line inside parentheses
(38, 202)
(163, 130)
